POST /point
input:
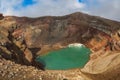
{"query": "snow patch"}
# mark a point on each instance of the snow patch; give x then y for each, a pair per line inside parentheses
(76, 45)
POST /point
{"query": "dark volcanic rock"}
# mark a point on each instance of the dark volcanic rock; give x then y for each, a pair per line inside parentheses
(1, 16)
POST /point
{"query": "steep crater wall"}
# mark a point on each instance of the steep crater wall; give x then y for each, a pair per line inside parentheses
(23, 39)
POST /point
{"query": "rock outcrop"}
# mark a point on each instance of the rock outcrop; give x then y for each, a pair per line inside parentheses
(106, 67)
(1, 16)
(105, 63)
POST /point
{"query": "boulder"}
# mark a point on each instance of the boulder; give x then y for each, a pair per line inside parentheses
(1, 16)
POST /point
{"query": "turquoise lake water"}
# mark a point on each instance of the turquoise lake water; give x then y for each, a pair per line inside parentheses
(66, 58)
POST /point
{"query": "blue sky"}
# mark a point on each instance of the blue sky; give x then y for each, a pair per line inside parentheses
(28, 2)
(35, 8)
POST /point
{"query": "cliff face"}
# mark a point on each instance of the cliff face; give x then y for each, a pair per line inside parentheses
(22, 39)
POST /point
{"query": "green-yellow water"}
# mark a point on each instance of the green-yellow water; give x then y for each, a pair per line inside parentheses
(67, 58)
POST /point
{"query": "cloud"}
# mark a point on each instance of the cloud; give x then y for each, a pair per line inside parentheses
(105, 8)
(41, 8)
(7, 6)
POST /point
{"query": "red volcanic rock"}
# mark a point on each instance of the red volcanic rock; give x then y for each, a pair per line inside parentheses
(17, 33)
(1, 16)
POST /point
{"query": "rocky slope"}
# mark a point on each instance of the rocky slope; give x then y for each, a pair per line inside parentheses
(12, 71)
(106, 67)
(22, 39)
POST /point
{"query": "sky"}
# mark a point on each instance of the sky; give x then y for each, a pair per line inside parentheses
(35, 8)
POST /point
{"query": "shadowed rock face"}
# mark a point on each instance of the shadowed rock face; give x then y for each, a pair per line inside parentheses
(31, 37)
(1, 16)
